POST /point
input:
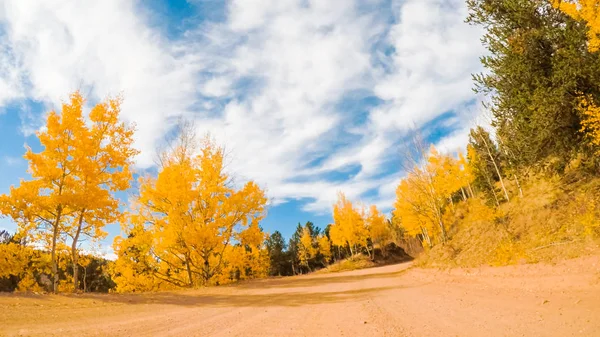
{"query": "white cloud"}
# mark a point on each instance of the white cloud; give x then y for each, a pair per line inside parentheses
(12, 161)
(102, 48)
(265, 82)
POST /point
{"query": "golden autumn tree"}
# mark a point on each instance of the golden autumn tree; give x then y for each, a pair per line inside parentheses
(14, 259)
(349, 225)
(379, 231)
(479, 168)
(590, 122)
(420, 199)
(324, 245)
(191, 216)
(134, 268)
(422, 196)
(72, 177)
(306, 249)
(248, 258)
(587, 11)
(446, 172)
(411, 208)
(40, 205)
(104, 157)
(466, 176)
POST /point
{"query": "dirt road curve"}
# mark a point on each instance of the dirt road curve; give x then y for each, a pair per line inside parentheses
(532, 300)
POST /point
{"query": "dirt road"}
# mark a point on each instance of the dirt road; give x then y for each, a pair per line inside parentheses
(532, 300)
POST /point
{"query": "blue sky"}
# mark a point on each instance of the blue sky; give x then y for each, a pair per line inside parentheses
(308, 97)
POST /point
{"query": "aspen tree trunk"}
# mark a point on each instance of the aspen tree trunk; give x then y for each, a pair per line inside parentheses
(463, 194)
(493, 190)
(471, 190)
(53, 251)
(495, 167)
(518, 186)
(206, 270)
(514, 174)
(189, 271)
(74, 254)
(369, 253)
(441, 224)
(426, 237)
(443, 228)
(85, 279)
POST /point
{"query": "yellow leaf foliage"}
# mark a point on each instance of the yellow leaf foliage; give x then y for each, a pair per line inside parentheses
(590, 122)
(306, 249)
(379, 231)
(423, 195)
(349, 224)
(325, 248)
(587, 11)
(194, 228)
(14, 259)
(69, 193)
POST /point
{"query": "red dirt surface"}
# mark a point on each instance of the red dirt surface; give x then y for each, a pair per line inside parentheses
(526, 300)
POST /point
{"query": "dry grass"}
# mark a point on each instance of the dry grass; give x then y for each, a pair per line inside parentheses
(553, 221)
(358, 261)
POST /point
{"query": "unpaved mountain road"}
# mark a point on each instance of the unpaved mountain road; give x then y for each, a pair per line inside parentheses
(529, 300)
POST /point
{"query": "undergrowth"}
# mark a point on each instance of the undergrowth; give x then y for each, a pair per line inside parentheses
(555, 219)
(358, 261)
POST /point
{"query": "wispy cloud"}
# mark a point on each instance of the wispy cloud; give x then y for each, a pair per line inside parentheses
(12, 161)
(281, 83)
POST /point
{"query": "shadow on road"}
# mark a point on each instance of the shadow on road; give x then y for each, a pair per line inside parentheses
(287, 291)
(310, 280)
(287, 299)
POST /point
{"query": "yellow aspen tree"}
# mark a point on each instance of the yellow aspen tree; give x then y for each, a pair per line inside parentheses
(422, 196)
(418, 197)
(104, 156)
(325, 248)
(590, 122)
(253, 252)
(194, 215)
(135, 266)
(362, 230)
(587, 11)
(84, 262)
(14, 259)
(446, 174)
(336, 236)
(73, 177)
(39, 206)
(306, 250)
(349, 224)
(466, 175)
(379, 231)
(411, 208)
(478, 165)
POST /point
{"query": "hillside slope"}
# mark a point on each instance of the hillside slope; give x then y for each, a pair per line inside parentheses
(556, 219)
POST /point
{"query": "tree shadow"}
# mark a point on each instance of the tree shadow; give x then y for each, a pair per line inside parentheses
(311, 280)
(285, 291)
(284, 299)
